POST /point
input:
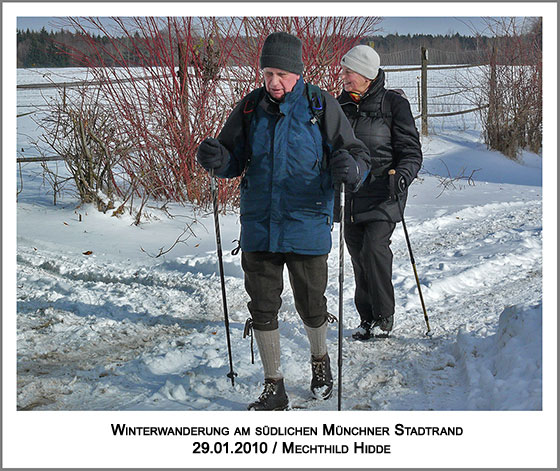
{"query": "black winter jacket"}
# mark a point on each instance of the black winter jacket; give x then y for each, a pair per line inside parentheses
(393, 142)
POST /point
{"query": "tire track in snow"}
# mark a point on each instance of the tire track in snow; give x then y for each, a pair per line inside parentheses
(62, 356)
(473, 250)
(46, 277)
(84, 324)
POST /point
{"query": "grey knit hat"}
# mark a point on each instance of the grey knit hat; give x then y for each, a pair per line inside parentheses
(282, 51)
(362, 59)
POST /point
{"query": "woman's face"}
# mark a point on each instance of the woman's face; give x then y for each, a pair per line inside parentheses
(353, 81)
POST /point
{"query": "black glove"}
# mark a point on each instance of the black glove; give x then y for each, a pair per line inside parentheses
(344, 169)
(397, 186)
(211, 154)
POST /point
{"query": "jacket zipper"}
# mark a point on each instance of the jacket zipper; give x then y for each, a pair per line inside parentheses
(272, 159)
(352, 199)
(273, 163)
(354, 129)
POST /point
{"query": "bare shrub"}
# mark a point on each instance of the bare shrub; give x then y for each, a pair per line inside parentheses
(453, 182)
(85, 134)
(172, 82)
(513, 88)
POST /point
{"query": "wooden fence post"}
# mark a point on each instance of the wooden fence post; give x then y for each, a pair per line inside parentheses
(418, 94)
(424, 98)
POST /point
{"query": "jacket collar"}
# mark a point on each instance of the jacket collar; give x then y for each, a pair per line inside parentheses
(376, 85)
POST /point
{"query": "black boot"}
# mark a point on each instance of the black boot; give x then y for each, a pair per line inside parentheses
(363, 332)
(273, 397)
(385, 323)
(322, 381)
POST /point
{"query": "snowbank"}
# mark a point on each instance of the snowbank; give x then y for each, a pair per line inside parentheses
(504, 370)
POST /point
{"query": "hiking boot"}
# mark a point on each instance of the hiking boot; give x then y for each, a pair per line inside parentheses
(273, 396)
(321, 382)
(384, 323)
(363, 332)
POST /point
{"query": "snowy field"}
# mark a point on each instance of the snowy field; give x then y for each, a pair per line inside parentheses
(104, 325)
(120, 330)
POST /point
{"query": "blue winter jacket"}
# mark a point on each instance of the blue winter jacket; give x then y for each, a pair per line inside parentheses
(287, 193)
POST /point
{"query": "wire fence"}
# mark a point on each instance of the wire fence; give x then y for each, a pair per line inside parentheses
(434, 91)
(412, 57)
(437, 91)
(446, 92)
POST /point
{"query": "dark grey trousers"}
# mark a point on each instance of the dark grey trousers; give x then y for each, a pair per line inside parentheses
(264, 283)
(372, 259)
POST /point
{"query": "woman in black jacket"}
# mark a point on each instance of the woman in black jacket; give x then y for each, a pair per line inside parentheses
(381, 119)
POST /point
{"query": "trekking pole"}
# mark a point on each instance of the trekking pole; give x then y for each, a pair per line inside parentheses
(392, 173)
(340, 292)
(214, 191)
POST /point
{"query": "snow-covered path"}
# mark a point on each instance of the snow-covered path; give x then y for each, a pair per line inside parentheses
(473, 264)
(106, 331)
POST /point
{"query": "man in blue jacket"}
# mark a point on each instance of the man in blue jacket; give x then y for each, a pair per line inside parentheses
(290, 161)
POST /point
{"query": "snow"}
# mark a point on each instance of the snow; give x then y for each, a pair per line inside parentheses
(120, 329)
(506, 374)
(105, 325)
(478, 249)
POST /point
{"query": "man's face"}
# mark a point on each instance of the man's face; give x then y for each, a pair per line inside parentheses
(278, 82)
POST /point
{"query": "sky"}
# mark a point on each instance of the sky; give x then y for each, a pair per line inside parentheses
(467, 26)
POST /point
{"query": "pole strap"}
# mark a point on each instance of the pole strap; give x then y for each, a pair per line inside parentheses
(248, 331)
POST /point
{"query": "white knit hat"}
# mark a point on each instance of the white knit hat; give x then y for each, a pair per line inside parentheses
(362, 59)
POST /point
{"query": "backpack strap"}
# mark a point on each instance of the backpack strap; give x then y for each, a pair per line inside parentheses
(386, 105)
(369, 114)
(314, 97)
(386, 110)
(251, 102)
(315, 103)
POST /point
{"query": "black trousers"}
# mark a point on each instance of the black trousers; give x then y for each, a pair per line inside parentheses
(372, 259)
(264, 283)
